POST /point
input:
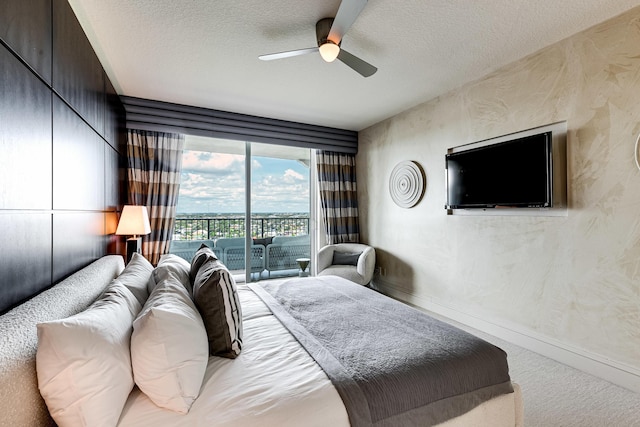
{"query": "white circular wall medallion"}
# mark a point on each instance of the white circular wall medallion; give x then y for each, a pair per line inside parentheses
(406, 184)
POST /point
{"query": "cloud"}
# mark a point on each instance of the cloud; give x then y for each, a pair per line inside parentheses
(212, 163)
(213, 182)
(201, 192)
(291, 176)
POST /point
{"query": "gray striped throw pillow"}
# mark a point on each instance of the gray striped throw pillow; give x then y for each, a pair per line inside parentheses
(216, 297)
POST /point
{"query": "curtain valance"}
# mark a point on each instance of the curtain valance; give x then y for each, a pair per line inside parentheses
(157, 116)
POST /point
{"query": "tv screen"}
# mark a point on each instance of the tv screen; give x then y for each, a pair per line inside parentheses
(515, 173)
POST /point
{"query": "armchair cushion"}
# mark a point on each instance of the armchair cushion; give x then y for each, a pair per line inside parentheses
(342, 258)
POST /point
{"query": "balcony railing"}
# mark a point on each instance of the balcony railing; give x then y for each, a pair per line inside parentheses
(203, 228)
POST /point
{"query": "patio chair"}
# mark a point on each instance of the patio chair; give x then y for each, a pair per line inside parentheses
(283, 252)
(233, 254)
(187, 248)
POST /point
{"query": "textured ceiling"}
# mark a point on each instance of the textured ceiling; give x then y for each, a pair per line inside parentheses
(205, 52)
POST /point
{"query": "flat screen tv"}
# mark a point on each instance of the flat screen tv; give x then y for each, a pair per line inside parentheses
(513, 174)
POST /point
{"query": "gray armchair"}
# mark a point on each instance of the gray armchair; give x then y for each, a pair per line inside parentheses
(352, 261)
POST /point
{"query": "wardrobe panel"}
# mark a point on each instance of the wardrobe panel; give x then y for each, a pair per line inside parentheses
(114, 118)
(25, 137)
(25, 26)
(78, 162)
(78, 239)
(77, 73)
(114, 244)
(111, 172)
(60, 181)
(25, 251)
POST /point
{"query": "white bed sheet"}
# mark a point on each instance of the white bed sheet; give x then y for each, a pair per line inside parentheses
(274, 382)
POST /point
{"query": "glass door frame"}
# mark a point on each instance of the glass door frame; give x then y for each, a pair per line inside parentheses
(248, 240)
(313, 211)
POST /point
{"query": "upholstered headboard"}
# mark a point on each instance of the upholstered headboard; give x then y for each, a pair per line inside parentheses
(20, 400)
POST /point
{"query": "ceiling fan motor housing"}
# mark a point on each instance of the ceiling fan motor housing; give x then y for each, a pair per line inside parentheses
(323, 27)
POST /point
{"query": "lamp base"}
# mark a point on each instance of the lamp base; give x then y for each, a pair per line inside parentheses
(134, 245)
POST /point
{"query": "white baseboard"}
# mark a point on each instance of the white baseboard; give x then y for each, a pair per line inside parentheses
(610, 370)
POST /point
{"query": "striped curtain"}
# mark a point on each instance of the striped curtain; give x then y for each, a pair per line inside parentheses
(154, 165)
(338, 197)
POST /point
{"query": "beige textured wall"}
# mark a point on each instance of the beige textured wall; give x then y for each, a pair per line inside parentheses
(575, 279)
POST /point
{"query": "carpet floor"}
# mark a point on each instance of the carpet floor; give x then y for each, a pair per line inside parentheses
(557, 395)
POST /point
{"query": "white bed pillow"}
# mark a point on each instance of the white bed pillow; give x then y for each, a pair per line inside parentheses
(169, 349)
(179, 266)
(135, 276)
(83, 362)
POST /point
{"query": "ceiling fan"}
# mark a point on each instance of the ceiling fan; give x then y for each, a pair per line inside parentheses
(329, 33)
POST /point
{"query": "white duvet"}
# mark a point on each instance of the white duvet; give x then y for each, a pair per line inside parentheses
(274, 382)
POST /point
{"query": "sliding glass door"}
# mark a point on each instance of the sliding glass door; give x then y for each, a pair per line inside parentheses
(280, 207)
(249, 202)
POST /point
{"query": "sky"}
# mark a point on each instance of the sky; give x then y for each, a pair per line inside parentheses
(214, 183)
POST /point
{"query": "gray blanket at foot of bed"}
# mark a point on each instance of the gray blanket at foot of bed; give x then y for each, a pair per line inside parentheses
(391, 364)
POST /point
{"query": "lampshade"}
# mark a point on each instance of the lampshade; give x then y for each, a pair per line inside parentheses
(133, 221)
(329, 51)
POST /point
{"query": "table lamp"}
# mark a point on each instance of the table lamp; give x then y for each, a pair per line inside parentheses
(133, 221)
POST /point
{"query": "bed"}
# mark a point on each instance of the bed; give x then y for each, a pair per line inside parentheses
(290, 370)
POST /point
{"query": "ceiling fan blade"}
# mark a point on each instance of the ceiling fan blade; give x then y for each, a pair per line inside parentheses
(287, 54)
(347, 14)
(357, 64)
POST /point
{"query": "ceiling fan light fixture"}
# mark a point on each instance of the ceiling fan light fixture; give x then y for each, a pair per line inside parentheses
(329, 35)
(329, 51)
